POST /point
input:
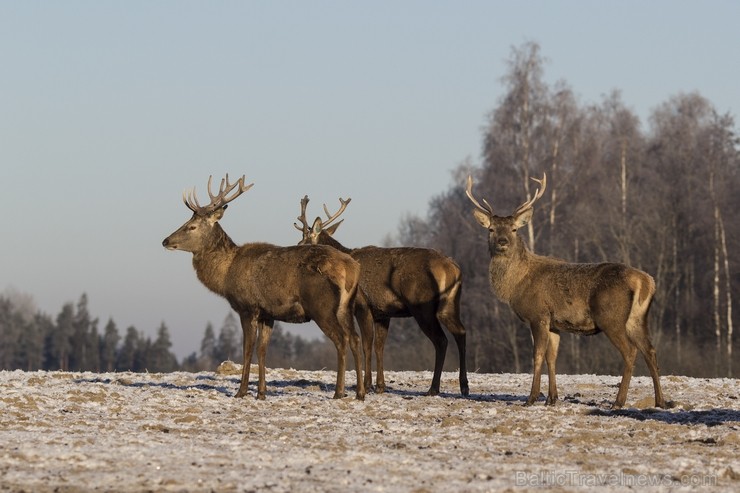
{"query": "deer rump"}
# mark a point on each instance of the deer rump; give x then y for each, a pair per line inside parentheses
(394, 280)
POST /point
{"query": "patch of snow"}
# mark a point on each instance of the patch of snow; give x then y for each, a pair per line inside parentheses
(185, 432)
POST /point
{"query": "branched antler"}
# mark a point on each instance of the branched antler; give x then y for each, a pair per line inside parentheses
(486, 207)
(469, 192)
(217, 201)
(331, 218)
(302, 217)
(528, 204)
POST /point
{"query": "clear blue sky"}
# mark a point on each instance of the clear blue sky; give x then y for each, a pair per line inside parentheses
(109, 110)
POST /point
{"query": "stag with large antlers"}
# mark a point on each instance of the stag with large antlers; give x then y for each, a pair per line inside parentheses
(264, 283)
(399, 282)
(553, 295)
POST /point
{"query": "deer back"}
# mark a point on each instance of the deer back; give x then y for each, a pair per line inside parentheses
(289, 283)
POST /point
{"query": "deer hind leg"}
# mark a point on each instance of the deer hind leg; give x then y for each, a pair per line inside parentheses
(540, 339)
(354, 345)
(334, 332)
(346, 321)
(429, 324)
(551, 355)
(365, 320)
(639, 337)
(249, 330)
(449, 315)
(637, 331)
(381, 334)
(629, 353)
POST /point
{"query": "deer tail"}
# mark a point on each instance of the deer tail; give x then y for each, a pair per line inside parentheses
(642, 286)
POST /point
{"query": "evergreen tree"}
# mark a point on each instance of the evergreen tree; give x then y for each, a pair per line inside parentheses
(207, 359)
(228, 346)
(59, 340)
(108, 347)
(161, 358)
(128, 356)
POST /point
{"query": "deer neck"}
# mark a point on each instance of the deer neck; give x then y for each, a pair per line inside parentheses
(214, 260)
(330, 241)
(508, 270)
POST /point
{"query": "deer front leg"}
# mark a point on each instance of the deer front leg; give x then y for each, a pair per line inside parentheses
(540, 338)
(550, 357)
(265, 331)
(249, 330)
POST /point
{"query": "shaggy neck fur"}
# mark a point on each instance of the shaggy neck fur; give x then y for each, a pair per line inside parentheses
(213, 261)
(508, 269)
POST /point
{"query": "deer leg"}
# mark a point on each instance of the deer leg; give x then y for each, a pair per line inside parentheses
(642, 342)
(433, 330)
(354, 345)
(249, 330)
(451, 320)
(540, 339)
(265, 331)
(629, 352)
(550, 357)
(365, 321)
(381, 334)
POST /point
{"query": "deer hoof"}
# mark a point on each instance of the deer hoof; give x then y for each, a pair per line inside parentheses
(464, 390)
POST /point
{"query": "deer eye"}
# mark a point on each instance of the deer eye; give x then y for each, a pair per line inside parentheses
(192, 227)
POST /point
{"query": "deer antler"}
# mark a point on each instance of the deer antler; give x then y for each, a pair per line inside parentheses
(331, 218)
(528, 204)
(302, 217)
(217, 201)
(469, 192)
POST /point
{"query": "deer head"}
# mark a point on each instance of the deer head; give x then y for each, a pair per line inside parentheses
(502, 230)
(311, 234)
(193, 235)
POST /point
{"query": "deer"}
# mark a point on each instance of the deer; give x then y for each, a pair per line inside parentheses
(264, 283)
(553, 295)
(398, 282)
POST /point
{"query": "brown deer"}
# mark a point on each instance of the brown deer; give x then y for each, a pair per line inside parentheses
(264, 283)
(399, 282)
(553, 295)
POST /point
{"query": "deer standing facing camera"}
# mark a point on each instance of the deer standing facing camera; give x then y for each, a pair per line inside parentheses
(553, 295)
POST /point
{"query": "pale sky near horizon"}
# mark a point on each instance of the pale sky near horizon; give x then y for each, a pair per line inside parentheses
(109, 110)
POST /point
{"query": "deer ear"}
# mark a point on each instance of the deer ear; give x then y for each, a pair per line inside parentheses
(523, 218)
(482, 218)
(216, 215)
(317, 226)
(331, 229)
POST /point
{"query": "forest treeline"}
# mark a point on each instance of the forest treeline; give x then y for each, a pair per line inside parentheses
(661, 198)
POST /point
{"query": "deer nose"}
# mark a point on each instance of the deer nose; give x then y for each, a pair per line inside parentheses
(165, 242)
(502, 242)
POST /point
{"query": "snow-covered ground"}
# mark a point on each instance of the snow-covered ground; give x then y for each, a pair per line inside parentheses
(69, 432)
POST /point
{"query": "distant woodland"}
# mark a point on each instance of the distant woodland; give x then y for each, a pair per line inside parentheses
(658, 197)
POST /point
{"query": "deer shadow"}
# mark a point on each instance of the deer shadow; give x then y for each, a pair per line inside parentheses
(709, 418)
(162, 385)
